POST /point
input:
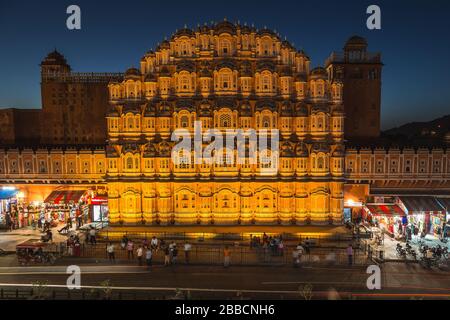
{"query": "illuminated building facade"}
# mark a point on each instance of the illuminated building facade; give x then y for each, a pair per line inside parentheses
(227, 77)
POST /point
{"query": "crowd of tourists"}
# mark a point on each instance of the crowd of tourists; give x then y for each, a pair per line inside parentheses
(145, 250)
(272, 244)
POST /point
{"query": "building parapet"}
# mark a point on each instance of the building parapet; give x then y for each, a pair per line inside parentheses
(83, 77)
(341, 57)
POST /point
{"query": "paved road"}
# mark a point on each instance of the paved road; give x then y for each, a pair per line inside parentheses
(398, 280)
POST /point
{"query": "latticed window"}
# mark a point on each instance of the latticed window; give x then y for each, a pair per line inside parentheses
(184, 48)
(184, 121)
(266, 83)
(129, 163)
(185, 84)
(320, 162)
(225, 81)
(265, 159)
(225, 47)
(266, 122)
(184, 160)
(225, 120)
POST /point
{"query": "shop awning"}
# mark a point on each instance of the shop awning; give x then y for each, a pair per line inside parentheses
(65, 196)
(444, 202)
(421, 204)
(385, 209)
(8, 193)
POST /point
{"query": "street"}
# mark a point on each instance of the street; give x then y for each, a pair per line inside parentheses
(399, 281)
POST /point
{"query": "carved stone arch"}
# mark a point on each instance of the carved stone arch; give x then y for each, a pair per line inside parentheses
(320, 190)
(265, 187)
(184, 188)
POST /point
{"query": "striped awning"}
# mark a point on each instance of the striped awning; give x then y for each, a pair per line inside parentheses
(416, 204)
(65, 196)
(385, 209)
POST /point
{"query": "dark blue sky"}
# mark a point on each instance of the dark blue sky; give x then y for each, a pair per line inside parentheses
(414, 41)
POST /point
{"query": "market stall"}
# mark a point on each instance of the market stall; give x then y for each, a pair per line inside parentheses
(425, 214)
(62, 205)
(389, 217)
(13, 212)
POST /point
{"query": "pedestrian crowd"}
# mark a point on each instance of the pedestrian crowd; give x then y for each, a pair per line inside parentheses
(144, 251)
(272, 244)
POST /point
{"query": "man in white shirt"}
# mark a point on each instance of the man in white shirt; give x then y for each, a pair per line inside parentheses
(300, 250)
(92, 238)
(187, 250)
(154, 243)
(140, 254)
(148, 258)
(110, 251)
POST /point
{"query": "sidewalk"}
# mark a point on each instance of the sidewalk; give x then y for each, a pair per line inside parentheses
(10, 239)
(240, 255)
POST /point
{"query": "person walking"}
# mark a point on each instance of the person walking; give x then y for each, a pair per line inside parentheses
(154, 243)
(110, 251)
(281, 248)
(299, 253)
(148, 258)
(124, 242)
(226, 257)
(77, 248)
(166, 256)
(70, 243)
(350, 254)
(92, 236)
(140, 254)
(295, 259)
(174, 254)
(306, 245)
(187, 251)
(130, 247)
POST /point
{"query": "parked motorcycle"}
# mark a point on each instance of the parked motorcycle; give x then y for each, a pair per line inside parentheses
(413, 254)
(400, 251)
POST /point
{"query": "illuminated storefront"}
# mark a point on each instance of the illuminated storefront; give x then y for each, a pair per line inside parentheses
(388, 217)
(424, 214)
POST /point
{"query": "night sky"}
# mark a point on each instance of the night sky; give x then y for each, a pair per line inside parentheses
(414, 41)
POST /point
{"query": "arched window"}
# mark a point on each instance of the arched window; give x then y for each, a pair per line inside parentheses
(320, 163)
(266, 122)
(205, 42)
(137, 121)
(225, 80)
(183, 160)
(266, 47)
(265, 159)
(266, 81)
(129, 121)
(129, 163)
(319, 89)
(184, 121)
(184, 48)
(184, 82)
(224, 158)
(225, 120)
(320, 123)
(245, 42)
(225, 47)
